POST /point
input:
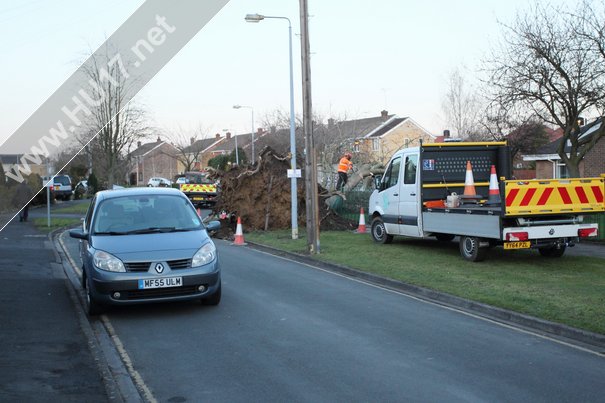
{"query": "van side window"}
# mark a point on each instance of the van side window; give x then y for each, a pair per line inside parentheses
(391, 175)
(411, 162)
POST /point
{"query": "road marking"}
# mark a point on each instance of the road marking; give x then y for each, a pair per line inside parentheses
(505, 325)
(134, 374)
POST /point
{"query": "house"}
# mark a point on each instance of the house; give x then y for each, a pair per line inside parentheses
(152, 159)
(8, 160)
(549, 164)
(372, 139)
(201, 151)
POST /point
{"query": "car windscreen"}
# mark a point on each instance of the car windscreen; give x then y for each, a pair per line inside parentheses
(142, 214)
(63, 180)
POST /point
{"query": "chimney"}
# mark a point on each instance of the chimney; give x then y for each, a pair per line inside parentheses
(259, 131)
(138, 144)
(228, 135)
(159, 139)
(446, 134)
(273, 129)
(330, 123)
(217, 136)
(384, 114)
(192, 140)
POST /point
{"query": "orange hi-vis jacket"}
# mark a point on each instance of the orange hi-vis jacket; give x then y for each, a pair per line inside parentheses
(344, 165)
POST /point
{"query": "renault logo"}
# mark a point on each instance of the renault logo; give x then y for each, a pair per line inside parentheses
(552, 231)
(159, 268)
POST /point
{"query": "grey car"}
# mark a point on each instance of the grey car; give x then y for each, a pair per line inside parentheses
(144, 245)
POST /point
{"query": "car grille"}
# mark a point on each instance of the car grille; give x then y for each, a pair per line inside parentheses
(160, 292)
(144, 266)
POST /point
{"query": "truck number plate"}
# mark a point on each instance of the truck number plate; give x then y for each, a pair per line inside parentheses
(517, 245)
(164, 282)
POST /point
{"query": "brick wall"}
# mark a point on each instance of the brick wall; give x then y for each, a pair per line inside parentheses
(544, 170)
(594, 161)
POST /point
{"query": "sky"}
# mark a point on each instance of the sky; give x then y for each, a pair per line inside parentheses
(365, 57)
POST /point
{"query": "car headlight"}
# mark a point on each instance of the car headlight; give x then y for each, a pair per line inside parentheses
(204, 255)
(108, 262)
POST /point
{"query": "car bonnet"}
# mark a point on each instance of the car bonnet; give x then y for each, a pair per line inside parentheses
(158, 246)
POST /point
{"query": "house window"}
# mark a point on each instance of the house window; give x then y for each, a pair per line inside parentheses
(562, 171)
(356, 147)
(375, 144)
(406, 143)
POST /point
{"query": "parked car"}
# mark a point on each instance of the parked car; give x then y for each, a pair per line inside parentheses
(83, 185)
(61, 187)
(142, 245)
(159, 182)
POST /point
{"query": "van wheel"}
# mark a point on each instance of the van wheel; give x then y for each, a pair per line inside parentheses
(471, 250)
(552, 251)
(379, 231)
(444, 237)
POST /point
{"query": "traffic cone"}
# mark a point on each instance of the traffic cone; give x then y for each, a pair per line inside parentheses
(469, 181)
(494, 190)
(361, 229)
(239, 234)
(469, 195)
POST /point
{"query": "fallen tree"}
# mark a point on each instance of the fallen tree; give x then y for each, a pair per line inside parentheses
(260, 196)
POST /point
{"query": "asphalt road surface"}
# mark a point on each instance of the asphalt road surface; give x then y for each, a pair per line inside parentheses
(288, 332)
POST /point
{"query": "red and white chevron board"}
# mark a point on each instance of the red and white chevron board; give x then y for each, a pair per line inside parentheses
(570, 195)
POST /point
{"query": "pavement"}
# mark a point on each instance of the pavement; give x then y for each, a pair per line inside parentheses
(45, 354)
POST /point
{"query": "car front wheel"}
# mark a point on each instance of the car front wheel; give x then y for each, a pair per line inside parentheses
(93, 307)
(213, 299)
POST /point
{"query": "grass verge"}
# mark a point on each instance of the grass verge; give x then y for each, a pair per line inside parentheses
(79, 208)
(569, 290)
(55, 223)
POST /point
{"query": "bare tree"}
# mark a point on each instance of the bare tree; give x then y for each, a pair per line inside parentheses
(550, 66)
(461, 106)
(119, 123)
(189, 145)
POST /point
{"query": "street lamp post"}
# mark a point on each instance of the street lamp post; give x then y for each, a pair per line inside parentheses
(293, 187)
(252, 109)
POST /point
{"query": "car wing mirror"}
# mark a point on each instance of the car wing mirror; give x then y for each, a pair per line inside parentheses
(213, 226)
(78, 233)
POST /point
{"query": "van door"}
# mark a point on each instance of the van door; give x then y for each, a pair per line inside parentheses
(389, 196)
(408, 197)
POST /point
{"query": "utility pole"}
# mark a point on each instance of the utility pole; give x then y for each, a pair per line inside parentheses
(312, 209)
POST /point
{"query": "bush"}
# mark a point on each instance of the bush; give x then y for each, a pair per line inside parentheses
(93, 183)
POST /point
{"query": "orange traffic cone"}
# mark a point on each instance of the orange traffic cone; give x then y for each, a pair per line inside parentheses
(361, 229)
(239, 234)
(470, 195)
(494, 190)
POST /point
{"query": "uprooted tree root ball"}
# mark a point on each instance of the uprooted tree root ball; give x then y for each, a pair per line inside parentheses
(260, 196)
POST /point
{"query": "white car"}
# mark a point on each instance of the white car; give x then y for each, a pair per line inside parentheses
(159, 182)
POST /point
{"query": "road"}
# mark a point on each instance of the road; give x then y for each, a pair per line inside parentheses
(288, 332)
